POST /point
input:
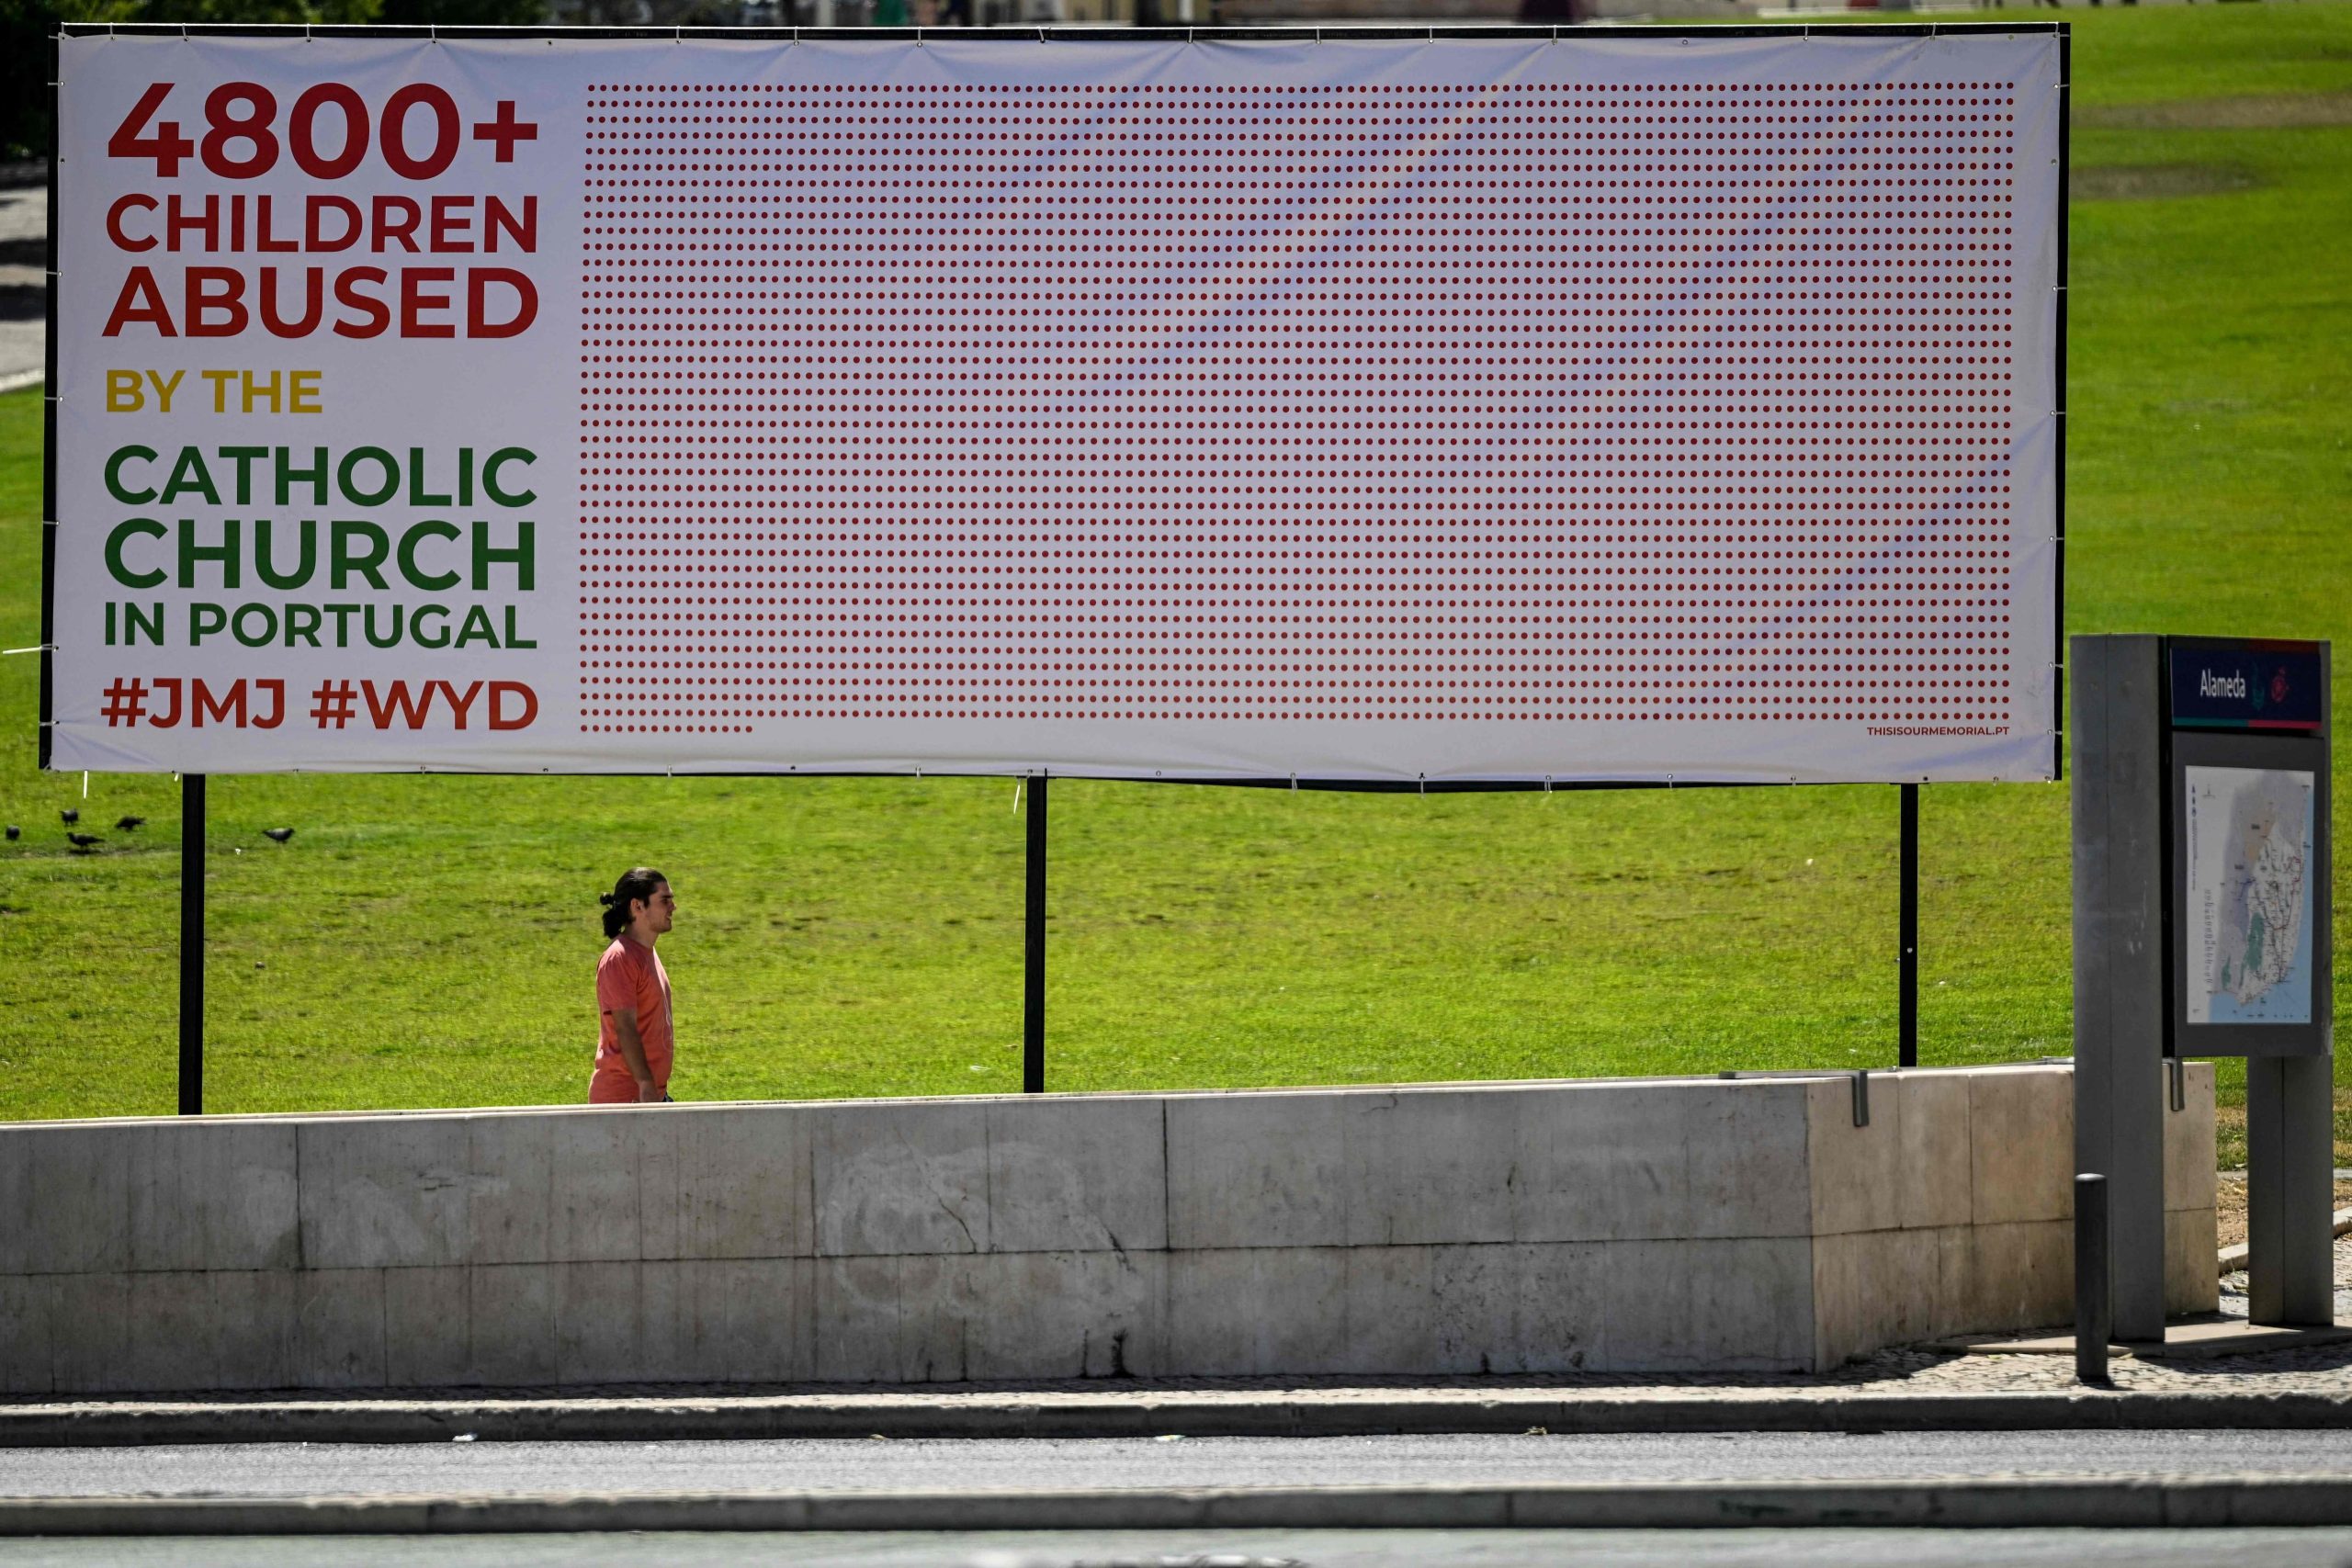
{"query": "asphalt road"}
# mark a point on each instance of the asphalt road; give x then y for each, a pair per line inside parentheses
(24, 282)
(1303, 1548)
(294, 1470)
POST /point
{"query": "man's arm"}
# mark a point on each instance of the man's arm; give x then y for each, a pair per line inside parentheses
(632, 1046)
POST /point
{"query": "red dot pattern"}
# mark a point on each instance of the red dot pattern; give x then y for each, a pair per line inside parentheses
(1545, 403)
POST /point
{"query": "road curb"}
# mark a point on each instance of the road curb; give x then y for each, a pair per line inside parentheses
(2008, 1503)
(802, 1416)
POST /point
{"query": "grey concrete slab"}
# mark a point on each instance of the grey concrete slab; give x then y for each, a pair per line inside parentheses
(1475, 1309)
(2018, 1169)
(428, 1328)
(90, 1330)
(1874, 1288)
(1239, 1311)
(1730, 1302)
(744, 1185)
(1433, 1165)
(1662, 1160)
(906, 1178)
(339, 1328)
(1084, 1176)
(1071, 1315)
(604, 1170)
(600, 1328)
(25, 1349)
(501, 1209)
(249, 1334)
(1934, 1176)
(207, 1198)
(1547, 1299)
(909, 1318)
(2019, 1274)
(2191, 1285)
(1257, 1170)
(514, 1322)
(78, 1219)
(2190, 1180)
(171, 1336)
(758, 1313)
(1856, 1172)
(395, 1192)
(17, 1199)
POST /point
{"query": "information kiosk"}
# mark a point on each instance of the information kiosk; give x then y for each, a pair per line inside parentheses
(2202, 895)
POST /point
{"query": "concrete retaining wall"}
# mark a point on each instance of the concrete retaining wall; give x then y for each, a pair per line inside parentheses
(1644, 1225)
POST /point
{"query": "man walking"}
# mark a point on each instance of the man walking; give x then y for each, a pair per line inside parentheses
(634, 1044)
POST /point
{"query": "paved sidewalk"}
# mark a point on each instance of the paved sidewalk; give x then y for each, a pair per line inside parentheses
(1896, 1391)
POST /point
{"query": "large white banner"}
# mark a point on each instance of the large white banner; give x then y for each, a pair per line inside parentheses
(1625, 406)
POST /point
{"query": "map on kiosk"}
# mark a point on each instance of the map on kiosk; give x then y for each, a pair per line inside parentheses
(2249, 896)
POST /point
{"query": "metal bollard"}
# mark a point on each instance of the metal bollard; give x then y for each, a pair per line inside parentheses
(2094, 1307)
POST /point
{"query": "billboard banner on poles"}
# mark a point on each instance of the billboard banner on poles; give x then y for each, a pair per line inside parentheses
(1633, 406)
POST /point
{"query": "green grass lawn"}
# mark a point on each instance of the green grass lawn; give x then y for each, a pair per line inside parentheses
(429, 940)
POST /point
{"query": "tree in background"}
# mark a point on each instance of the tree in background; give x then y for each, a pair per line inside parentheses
(25, 27)
(464, 13)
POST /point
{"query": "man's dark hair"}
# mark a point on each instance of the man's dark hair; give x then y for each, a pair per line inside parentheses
(638, 883)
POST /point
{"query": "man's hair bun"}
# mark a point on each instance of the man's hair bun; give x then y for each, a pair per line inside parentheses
(638, 882)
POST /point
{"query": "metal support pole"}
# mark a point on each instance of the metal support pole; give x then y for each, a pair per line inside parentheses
(1906, 1041)
(2115, 687)
(192, 945)
(2290, 1192)
(1033, 1010)
(2094, 1308)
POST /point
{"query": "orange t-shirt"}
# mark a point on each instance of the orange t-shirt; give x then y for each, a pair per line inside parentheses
(630, 976)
